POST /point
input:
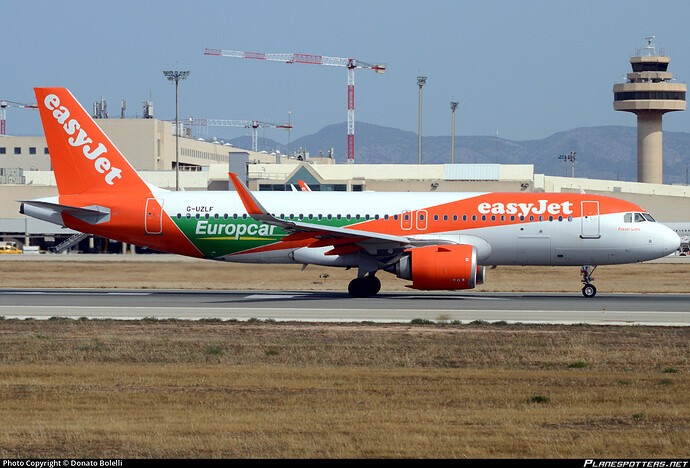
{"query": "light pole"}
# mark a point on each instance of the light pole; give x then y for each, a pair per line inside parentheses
(569, 157)
(176, 76)
(453, 107)
(421, 81)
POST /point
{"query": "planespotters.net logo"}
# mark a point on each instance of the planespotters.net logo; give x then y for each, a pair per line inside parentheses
(635, 463)
(72, 126)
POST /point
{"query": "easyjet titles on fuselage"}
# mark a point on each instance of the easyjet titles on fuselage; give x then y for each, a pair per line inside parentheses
(101, 163)
(524, 209)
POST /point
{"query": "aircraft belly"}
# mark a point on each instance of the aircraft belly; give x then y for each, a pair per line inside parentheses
(273, 256)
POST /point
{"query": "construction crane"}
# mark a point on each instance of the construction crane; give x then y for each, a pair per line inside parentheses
(351, 64)
(3, 112)
(253, 124)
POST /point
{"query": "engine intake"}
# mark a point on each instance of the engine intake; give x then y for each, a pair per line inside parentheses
(441, 267)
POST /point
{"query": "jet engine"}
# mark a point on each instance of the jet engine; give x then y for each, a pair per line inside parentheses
(441, 267)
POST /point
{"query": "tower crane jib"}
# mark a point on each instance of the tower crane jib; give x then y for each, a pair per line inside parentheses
(350, 64)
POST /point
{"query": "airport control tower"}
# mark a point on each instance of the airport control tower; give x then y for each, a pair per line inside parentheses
(649, 95)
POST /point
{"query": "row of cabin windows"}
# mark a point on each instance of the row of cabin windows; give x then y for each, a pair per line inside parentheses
(18, 150)
(406, 217)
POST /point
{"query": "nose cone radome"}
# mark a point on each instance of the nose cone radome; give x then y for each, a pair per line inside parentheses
(669, 240)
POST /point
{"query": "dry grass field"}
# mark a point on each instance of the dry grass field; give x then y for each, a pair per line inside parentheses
(212, 389)
(84, 388)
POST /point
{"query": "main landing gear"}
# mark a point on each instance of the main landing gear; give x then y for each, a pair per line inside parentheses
(365, 286)
(588, 289)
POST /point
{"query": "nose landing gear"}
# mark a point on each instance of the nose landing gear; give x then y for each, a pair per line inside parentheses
(588, 289)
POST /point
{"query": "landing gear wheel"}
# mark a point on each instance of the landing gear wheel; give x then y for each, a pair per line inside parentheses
(364, 286)
(586, 271)
(374, 285)
(589, 290)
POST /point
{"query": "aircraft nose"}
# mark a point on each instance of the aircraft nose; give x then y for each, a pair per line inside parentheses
(669, 240)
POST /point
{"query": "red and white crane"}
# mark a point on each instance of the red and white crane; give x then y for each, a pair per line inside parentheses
(3, 112)
(351, 64)
(253, 124)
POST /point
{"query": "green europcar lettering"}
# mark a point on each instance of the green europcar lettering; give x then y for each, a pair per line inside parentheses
(218, 237)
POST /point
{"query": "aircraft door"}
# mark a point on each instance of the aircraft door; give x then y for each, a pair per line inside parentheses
(421, 219)
(154, 216)
(590, 220)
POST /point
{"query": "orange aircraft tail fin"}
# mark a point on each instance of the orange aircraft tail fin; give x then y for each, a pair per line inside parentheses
(83, 157)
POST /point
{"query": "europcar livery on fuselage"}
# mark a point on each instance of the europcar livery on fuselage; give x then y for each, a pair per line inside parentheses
(439, 241)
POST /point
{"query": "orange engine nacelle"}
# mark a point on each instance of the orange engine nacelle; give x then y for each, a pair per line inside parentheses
(441, 267)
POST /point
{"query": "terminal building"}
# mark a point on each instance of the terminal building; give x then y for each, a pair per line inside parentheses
(149, 145)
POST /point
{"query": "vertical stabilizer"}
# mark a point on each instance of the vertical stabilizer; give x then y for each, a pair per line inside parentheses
(83, 157)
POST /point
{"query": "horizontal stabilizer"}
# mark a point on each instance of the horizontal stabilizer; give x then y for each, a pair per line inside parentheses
(89, 214)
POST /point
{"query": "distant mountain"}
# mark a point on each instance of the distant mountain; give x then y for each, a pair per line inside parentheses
(601, 152)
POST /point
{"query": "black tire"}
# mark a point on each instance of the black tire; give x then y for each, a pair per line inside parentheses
(374, 285)
(365, 286)
(589, 290)
(358, 287)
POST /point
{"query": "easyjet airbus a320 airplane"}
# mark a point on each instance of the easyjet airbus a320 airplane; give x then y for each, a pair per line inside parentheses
(438, 241)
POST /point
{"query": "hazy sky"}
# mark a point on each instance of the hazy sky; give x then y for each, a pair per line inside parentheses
(526, 69)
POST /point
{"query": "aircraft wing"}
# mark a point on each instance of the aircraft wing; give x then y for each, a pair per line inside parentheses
(346, 240)
(259, 213)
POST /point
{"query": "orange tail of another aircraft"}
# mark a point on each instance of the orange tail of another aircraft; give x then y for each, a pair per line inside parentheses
(87, 161)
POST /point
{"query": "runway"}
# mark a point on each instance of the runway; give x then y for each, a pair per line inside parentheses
(613, 309)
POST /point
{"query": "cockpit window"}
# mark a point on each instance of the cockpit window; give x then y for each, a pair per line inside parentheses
(639, 218)
(627, 218)
(648, 217)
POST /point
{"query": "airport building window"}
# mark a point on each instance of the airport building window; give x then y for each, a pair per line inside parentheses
(649, 66)
(645, 95)
(17, 150)
(32, 150)
(3, 150)
(45, 150)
